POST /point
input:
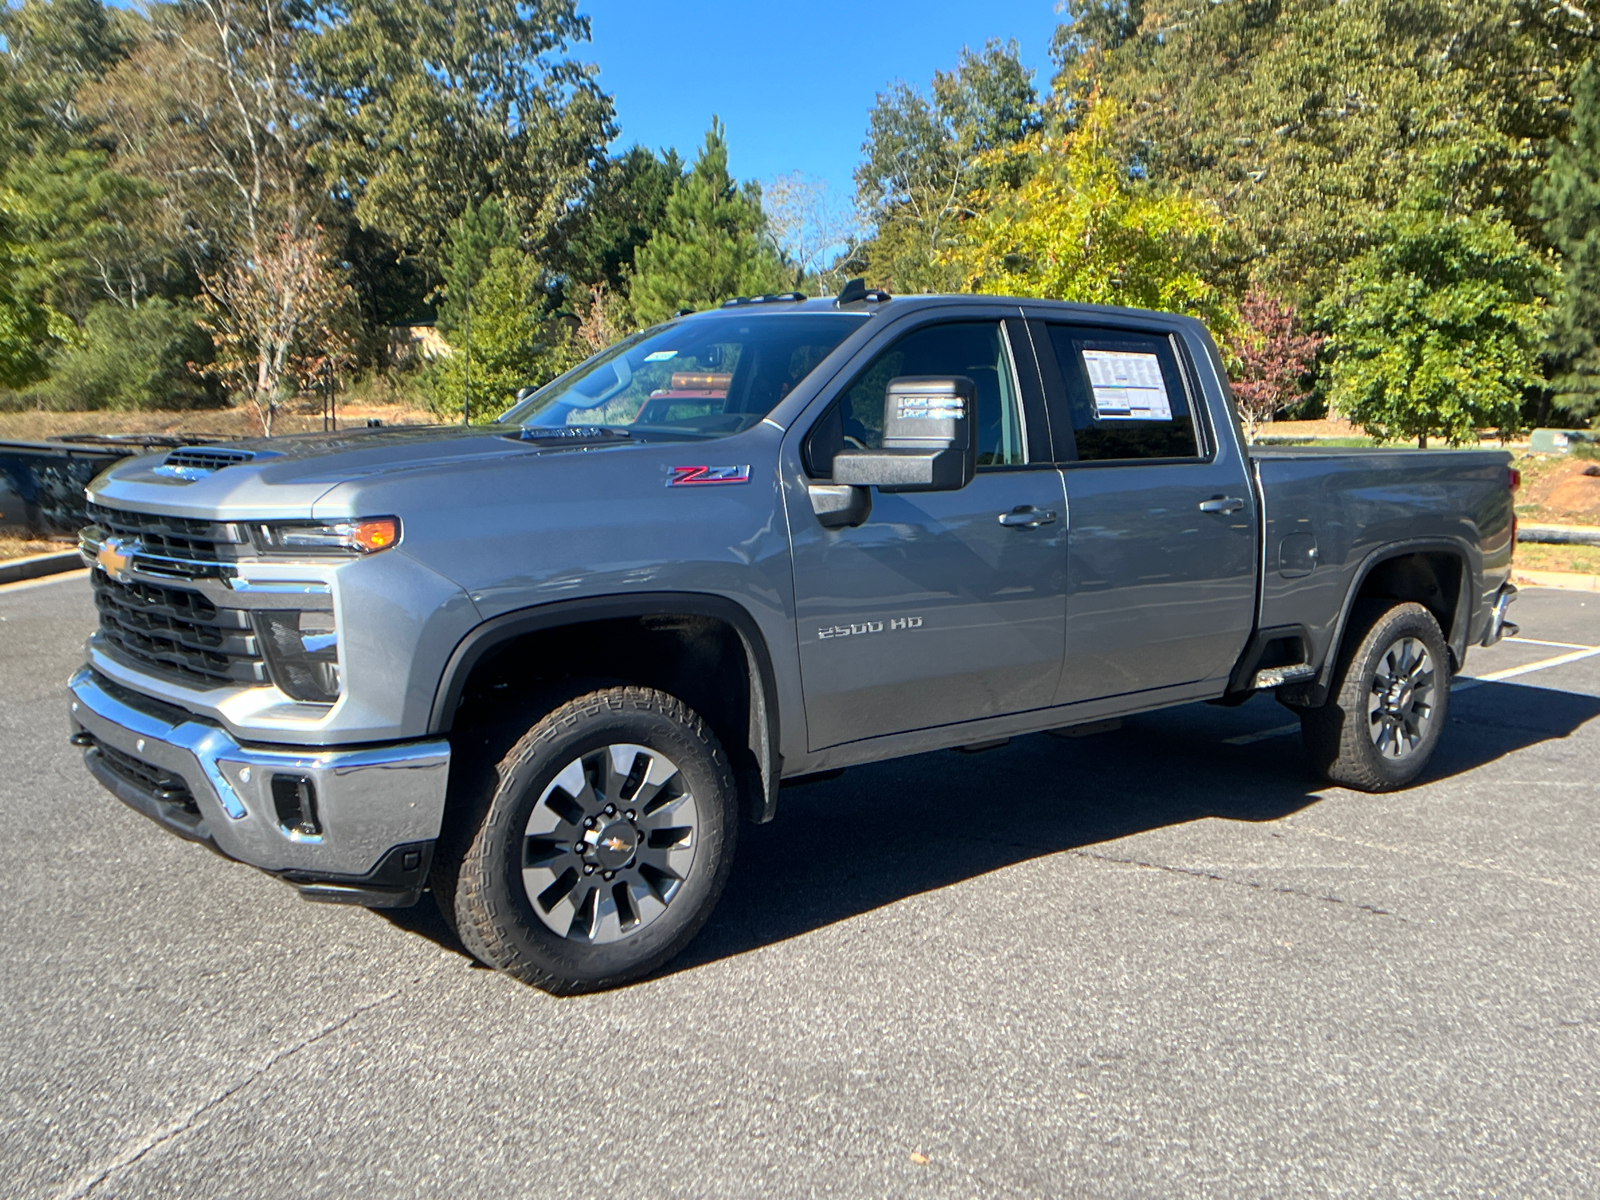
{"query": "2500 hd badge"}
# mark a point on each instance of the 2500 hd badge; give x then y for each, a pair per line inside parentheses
(864, 627)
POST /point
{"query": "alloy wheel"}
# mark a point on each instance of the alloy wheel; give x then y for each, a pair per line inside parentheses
(1401, 704)
(610, 843)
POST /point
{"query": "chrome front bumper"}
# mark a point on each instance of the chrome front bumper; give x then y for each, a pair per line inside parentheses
(1499, 626)
(377, 811)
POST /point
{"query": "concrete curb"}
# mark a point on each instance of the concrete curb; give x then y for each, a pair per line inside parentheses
(37, 566)
(1567, 580)
(1560, 535)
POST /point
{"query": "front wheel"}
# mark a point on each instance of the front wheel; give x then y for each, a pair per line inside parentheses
(604, 841)
(1389, 702)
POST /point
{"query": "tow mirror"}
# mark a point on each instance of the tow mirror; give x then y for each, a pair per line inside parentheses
(927, 438)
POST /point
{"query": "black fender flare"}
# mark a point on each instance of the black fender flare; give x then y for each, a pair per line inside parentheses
(483, 639)
(1466, 599)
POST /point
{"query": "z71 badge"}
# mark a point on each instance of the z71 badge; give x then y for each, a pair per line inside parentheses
(706, 476)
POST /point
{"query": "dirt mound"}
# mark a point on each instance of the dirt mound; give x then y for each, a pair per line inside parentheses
(1567, 493)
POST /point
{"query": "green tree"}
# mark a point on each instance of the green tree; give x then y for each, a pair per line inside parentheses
(53, 48)
(925, 153)
(24, 326)
(131, 358)
(429, 107)
(513, 343)
(71, 226)
(623, 204)
(1306, 119)
(711, 244)
(474, 238)
(1568, 200)
(1437, 327)
(1082, 227)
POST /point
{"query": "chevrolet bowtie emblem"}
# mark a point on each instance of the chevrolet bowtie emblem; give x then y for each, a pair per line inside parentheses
(115, 555)
(614, 844)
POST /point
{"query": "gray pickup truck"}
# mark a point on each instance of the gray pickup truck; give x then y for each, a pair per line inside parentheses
(544, 667)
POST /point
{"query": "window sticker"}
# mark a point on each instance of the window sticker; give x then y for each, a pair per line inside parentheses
(661, 356)
(1127, 387)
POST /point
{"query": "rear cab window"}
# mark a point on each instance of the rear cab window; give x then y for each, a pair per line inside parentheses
(1123, 395)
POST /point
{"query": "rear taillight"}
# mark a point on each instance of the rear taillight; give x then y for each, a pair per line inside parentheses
(1513, 478)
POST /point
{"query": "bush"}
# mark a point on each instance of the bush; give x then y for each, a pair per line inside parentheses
(131, 358)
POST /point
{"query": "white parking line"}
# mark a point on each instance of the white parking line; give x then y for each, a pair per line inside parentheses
(1560, 660)
(1536, 642)
(1461, 685)
(1244, 739)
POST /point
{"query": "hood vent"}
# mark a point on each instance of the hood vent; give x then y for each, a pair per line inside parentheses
(193, 462)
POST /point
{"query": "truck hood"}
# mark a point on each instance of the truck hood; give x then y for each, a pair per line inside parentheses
(284, 476)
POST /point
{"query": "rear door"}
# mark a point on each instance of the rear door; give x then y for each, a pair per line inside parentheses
(1162, 548)
(933, 612)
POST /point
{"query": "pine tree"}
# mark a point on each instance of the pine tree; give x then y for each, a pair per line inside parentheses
(711, 245)
(474, 238)
(1568, 201)
(495, 315)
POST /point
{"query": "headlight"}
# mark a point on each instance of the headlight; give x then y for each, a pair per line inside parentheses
(352, 535)
(302, 651)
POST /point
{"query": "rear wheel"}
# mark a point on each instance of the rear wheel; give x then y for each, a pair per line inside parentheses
(1389, 702)
(604, 841)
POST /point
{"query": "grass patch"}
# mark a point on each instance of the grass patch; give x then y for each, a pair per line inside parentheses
(1535, 556)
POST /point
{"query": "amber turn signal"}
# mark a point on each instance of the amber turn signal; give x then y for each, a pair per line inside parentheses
(378, 534)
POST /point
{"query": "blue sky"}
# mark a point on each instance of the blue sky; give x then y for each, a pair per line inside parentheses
(794, 81)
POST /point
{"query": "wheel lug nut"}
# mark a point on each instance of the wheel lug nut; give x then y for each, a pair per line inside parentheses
(611, 810)
(629, 814)
(611, 874)
(588, 822)
(588, 868)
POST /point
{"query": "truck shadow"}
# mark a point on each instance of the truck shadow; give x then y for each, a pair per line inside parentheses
(887, 831)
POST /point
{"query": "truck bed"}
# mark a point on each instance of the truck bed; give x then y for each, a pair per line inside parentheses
(1350, 506)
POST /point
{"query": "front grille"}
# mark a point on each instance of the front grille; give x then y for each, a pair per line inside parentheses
(180, 547)
(178, 633)
(154, 781)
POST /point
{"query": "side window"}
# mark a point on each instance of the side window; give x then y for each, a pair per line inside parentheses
(1126, 394)
(976, 349)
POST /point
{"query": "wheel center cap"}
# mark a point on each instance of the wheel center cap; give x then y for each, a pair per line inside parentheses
(613, 844)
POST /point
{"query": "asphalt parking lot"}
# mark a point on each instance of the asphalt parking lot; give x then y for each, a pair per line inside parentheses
(1154, 962)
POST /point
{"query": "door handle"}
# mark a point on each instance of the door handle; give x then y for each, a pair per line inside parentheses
(1222, 504)
(1026, 516)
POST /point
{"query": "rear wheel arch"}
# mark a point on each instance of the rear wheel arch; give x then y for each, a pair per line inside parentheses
(705, 650)
(1434, 574)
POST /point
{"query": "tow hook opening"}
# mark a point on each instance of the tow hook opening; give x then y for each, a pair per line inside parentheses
(295, 798)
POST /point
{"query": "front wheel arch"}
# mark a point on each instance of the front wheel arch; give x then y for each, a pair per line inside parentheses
(706, 650)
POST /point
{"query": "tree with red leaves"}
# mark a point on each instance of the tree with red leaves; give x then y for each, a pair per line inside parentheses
(1274, 359)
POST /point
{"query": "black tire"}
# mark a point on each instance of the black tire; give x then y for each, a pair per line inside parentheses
(1371, 737)
(480, 874)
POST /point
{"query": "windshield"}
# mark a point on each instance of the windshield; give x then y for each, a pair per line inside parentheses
(705, 378)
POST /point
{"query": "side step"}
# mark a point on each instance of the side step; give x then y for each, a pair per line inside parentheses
(1272, 677)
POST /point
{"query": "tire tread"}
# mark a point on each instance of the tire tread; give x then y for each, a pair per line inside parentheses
(485, 932)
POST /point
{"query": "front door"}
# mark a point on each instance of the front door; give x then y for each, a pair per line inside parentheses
(933, 612)
(1161, 556)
